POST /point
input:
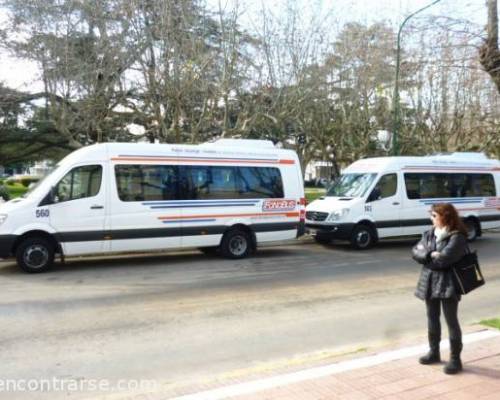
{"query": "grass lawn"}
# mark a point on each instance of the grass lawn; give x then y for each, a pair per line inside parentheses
(492, 323)
(16, 190)
(314, 193)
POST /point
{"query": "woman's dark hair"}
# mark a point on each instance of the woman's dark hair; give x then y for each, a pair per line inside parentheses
(450, 217)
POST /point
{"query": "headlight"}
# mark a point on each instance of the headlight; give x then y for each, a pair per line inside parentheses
(337, 215)
(3, 217)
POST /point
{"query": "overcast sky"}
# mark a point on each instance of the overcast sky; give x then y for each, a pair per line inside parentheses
(23, 75)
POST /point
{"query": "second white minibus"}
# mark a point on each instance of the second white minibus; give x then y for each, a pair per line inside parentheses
(390, 197)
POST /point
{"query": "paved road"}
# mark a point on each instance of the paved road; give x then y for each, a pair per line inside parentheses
(182, 319)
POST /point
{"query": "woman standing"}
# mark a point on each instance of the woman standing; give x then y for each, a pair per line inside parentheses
(438, 250)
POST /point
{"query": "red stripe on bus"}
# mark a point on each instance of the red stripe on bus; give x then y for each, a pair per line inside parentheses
(208, 160)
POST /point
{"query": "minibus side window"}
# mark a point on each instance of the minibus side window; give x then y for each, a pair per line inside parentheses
(387, 186)
(223, 183)
(258, 182)
(451, 185)
(146, 182)
(480, 185)
(196, 183)
(227, 182)
(79, 183)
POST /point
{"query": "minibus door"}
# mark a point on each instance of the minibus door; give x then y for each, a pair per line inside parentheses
(384, 205)
(77, 212)
(145, 213)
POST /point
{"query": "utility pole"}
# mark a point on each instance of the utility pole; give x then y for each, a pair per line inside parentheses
(396, 105)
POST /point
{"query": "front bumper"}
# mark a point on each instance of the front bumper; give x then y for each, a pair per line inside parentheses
(6, 245)
(333, 231)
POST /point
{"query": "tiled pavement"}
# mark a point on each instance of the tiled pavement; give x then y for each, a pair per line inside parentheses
(394, 375)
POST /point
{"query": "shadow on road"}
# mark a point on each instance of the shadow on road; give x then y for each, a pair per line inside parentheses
(188, 259)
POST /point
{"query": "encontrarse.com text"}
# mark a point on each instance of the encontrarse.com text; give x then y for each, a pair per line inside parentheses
(75, 385)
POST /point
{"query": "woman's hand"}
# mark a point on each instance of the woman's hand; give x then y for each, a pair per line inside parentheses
(435, 254)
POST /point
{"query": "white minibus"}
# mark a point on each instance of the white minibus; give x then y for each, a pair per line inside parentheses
(389, 197)
(228, 196)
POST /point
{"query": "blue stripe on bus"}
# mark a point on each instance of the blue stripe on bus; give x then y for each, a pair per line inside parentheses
(205, 205)
(183, 202)
(455, 201)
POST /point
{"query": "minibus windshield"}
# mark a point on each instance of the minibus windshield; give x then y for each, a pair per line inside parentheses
(36, 185)
(351, 185)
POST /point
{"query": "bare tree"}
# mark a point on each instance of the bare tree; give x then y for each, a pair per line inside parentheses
(489, 53)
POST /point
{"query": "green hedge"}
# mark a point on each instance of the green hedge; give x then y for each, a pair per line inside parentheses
(313, 194)
(28, 181)
(16, 190)
(4, 192)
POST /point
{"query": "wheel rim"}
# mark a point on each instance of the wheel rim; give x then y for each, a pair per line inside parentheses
(363, 238)
(36, 256)
(238, 245)
(471, 230)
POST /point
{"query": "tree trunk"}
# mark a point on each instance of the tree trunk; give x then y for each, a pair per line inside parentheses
(489, 55)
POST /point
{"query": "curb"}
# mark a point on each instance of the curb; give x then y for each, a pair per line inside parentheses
(327, 370)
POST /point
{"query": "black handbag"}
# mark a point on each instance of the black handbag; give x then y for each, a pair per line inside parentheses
(466, 273)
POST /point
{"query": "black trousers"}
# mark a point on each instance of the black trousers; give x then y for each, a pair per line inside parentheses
(450, 310)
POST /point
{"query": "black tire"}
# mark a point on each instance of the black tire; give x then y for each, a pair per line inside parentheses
(362, 237)
(35, 254)
(235, 244)
(472, 229)
(209, 251)
(322, 238)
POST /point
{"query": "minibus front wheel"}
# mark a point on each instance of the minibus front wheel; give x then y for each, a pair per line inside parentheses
(363, 237)
(35, 254)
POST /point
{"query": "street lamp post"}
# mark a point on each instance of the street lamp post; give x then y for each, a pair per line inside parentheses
(396, 122)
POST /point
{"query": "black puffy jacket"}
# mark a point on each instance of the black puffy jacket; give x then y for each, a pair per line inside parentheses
(435, 280)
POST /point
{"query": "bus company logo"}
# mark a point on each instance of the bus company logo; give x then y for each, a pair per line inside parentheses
(492, 202)
(279, 205)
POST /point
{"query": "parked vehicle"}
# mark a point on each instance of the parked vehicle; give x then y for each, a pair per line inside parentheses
(229, 196)
(389, 197)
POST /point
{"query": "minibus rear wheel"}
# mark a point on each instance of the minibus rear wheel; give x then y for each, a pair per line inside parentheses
(362, 237)
(235, 244)
(473, 229)
(35, 254)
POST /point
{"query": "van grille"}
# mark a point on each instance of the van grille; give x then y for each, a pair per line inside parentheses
(316, 216)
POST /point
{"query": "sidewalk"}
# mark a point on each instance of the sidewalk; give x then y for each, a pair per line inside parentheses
(392, 375)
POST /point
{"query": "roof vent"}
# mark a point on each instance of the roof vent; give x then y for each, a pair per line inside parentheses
(467, 155)
(243, 143)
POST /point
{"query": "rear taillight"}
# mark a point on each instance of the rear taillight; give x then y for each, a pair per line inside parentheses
(302, 208)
